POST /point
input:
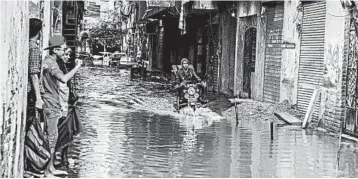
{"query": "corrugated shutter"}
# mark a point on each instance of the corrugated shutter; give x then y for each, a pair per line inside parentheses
(273, 53)
(215, 33)
(311, 66)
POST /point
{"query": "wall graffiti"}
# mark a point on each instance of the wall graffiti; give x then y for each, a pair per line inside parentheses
(299, 18)
(332, 70)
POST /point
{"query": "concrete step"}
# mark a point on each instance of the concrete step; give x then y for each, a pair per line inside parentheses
(288, 118)
(240, 100)
(352, 138)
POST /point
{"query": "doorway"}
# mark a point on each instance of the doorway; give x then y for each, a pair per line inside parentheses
(249, 59)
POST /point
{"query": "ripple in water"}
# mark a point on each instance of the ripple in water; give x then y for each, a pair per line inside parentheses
(124, 138)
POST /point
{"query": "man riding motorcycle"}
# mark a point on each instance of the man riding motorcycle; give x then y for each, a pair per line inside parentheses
(185, 75)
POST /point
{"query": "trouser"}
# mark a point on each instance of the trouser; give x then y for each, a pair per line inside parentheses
(52, 117)
(31, 104)
(30, 114)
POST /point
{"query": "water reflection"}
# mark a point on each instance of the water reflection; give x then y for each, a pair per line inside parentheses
(120, 140)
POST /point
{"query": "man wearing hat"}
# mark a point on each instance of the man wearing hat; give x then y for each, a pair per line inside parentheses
(35, 59)
(52, 77)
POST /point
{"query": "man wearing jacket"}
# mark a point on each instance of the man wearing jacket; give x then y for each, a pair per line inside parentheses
(186, 74)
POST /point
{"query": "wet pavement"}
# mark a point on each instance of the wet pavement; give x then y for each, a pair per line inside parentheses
(130, 130)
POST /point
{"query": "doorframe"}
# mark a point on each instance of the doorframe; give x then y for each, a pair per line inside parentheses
(244, 47)
(243, 24)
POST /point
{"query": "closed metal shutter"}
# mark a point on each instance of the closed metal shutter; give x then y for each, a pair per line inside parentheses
(311, 63)
(273, 53)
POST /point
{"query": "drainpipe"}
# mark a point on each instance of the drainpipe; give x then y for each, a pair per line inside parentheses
(236, 90)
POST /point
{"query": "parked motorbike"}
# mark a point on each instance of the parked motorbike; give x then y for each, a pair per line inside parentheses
(188, 96)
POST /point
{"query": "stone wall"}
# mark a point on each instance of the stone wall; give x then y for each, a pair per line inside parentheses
(14, 38)
(225, 54)
(291, 53)
(341, 98)
(332, 109)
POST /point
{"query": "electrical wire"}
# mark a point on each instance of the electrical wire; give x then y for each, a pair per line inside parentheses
(177, 9)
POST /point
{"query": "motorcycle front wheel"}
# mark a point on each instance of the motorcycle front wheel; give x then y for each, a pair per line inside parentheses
(193, 107)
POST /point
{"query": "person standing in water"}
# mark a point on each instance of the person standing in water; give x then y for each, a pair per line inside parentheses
(52, 77)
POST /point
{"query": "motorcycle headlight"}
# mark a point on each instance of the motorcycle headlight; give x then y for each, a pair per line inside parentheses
(197, 90)
(191, 90)
(196, 95)
(186, 96)
(184, 91)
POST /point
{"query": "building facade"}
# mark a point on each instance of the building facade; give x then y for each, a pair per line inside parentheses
(300, 46)
(270, 51)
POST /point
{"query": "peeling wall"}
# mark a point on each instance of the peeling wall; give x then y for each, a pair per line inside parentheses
(260, 57)
(332, 102)
(225, 54)
(290, 55)
(334, 44)
(34, 9)
(14, 42)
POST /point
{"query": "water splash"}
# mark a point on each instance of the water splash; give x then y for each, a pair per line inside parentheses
(187, 111)
(199, 119)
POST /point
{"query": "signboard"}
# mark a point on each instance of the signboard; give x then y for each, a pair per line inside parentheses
(93, 10)
(249, 8)
(203, 4)
(160, 3)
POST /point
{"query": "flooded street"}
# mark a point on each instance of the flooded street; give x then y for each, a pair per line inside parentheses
(130, 130)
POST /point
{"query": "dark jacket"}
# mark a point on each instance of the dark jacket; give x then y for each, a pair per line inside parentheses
(183, 75)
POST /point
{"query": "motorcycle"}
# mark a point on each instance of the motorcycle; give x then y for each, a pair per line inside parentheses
(188, 96)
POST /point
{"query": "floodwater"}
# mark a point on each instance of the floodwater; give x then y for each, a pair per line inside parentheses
(131, 131)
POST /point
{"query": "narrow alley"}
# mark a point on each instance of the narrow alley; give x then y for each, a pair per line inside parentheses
(130, 130)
